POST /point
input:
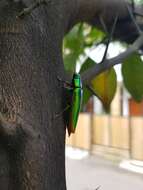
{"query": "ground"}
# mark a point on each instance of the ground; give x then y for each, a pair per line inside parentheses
(90, 172)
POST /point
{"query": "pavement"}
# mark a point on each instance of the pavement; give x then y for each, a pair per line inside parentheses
(87, 172)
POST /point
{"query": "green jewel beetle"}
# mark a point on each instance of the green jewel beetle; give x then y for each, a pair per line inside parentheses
(76, 100)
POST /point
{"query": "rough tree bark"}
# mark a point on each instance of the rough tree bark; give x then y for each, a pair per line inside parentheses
(32, 139)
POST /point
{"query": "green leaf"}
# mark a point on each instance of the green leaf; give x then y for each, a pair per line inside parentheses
(86, 93)
(87, 64)
(86, 96)
(104, 86)
(82, 36)
(70, 62)
(132, 71)
(73, 47)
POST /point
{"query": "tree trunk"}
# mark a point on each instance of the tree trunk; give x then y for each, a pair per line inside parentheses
(32, 151)
(32, 136)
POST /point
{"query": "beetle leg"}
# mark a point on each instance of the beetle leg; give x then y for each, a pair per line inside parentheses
(66, 84)
(68, 87)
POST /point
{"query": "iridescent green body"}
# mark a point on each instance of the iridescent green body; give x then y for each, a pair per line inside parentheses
(75, 102)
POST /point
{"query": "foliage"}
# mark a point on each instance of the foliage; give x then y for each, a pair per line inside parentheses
(83, 37)
(86, 92)
(103, 86)
(132, 71)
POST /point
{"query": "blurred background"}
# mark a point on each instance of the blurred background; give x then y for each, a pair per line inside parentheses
(106, 151)
(106, 146)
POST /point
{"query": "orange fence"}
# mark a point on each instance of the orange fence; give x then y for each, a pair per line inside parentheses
(109, 136)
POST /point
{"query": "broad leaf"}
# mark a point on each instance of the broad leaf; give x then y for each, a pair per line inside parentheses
(86, 96)
(104, 86)
(87, 64)
(132, 71)
(86, 93)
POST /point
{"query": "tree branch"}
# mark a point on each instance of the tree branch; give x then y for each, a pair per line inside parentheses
(131, 13)
(91, 73)
(33, 6)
